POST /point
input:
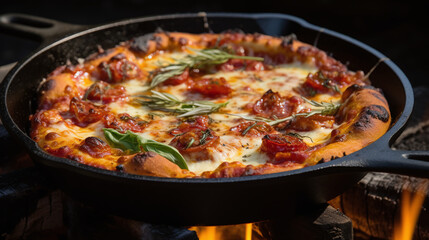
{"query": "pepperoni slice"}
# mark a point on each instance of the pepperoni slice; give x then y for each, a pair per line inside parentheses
(199, 122)
(179, 79)
(331, 81)
(116, 70)
(124, 122)
(195, 140)
(95, 147)
(211, 87)
(272, 105)
(106, 93)
(194, 135)
(274, 143)
(85, 113)
(253, 129)
(284, 148)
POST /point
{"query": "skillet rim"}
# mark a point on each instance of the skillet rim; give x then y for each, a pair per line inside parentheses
(57, 162)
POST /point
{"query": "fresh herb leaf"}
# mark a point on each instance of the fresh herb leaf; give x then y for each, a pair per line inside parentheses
(327, 82)
(128, 142)
(106, 68)
(251, 118)
(248, 128)
(206, 134)
(133, 143)
(166, 151)
(297, 135)
(199, 59)
(322, 108)
(169, 103)
(190, 143)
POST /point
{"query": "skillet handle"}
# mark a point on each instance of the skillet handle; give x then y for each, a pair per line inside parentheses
(412, 163)
(36, 28)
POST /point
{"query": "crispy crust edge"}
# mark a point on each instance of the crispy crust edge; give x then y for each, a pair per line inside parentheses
(366, 117)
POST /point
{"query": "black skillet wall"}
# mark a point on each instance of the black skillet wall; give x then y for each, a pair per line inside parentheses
(395, 28)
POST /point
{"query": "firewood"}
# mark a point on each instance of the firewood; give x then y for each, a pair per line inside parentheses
(322, 223)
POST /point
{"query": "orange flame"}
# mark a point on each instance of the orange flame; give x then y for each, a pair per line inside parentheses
(235, 232)
(410, 210)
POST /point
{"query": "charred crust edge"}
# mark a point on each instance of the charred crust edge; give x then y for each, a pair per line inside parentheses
(356, 88)
(46, 85)
(98, 55)
(379, 96)
(141, 44)
(233, 31)
(140, 158)
(288, 40)
(371, 112)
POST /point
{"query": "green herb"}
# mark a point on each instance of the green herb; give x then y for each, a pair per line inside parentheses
(97, 86)
(322, 108)
(129, 142)
(297, 135)
(206, 134)
(330, 85)
(327, 82)
(133, 143)
(153, 114)
(200, 59)
(311, 91)
(248, 128)
(108, 71)
(251, 118)
(190, 143)
(169, 103)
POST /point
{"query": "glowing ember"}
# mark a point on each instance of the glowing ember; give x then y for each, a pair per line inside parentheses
(410, 209)
(233, 232)
(248, 235)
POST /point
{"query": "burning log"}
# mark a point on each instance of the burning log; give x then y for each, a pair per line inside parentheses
(374, 204)
(322, 223)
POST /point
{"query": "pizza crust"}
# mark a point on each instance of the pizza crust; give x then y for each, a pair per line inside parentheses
(366, 117)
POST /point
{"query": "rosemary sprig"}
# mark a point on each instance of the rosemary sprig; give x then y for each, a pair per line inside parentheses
(248, 128)
(169, 103)
(190, 143)
(322, 108)
(199, 59)
(297, 135)
(327, 83)
(206, 134)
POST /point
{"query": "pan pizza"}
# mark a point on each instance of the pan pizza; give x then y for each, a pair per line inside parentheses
(173, 104)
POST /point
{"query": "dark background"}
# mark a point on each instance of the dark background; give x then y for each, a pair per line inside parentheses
(395, 28)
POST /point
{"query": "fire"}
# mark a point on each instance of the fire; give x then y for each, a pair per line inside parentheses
(410, 209)
(233, 232)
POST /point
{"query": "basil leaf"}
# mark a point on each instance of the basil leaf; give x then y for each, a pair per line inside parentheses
(134, 143)
(166, 151)
(128, 142)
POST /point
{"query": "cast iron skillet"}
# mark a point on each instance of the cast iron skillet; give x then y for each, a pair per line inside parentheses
(204, 201)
